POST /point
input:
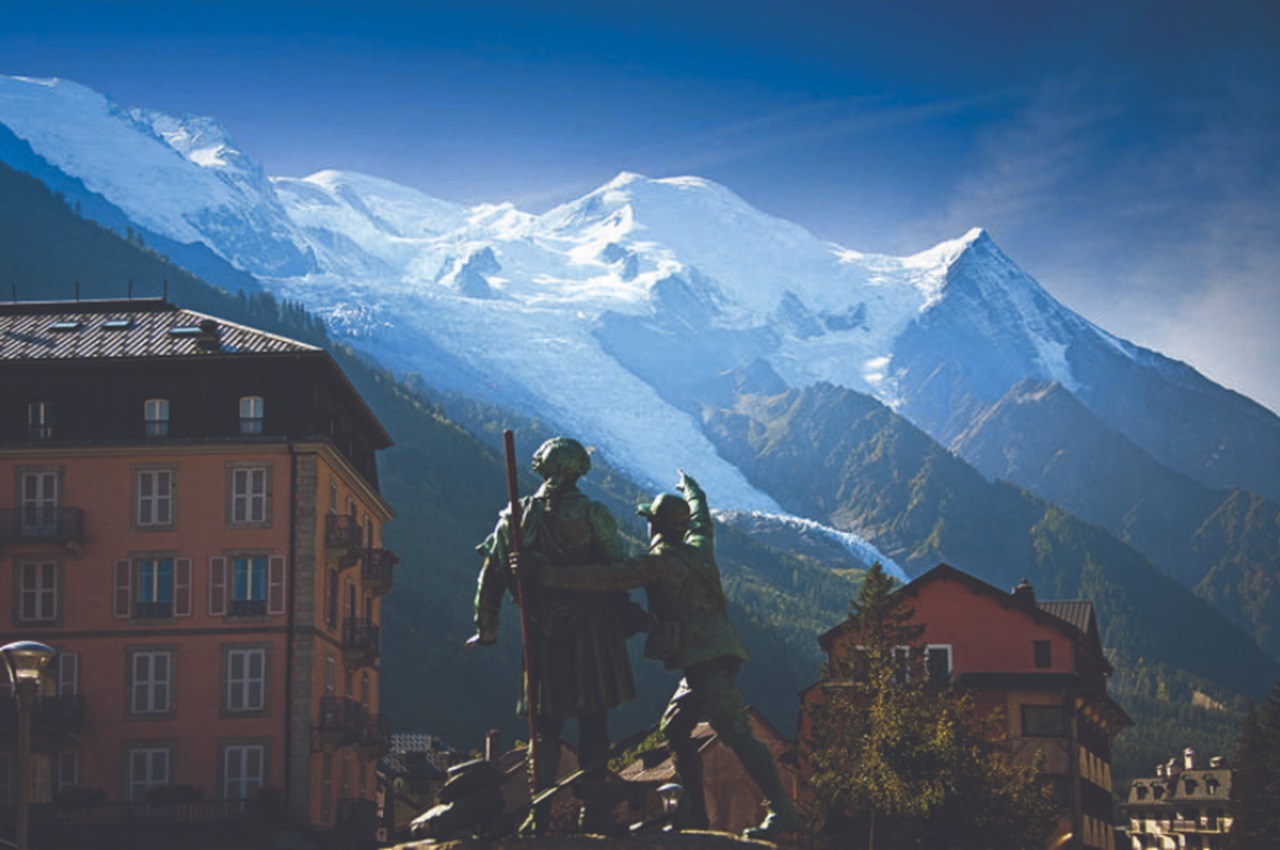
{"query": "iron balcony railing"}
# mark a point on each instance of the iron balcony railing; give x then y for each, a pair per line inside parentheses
(377, 572)
(51, 715)
(342, 531)
(41, 525)
(344, 721)
(361, 638)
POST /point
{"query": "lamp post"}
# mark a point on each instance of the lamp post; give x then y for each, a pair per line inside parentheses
(25, 661)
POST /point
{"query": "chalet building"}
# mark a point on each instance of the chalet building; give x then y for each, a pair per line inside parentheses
(190, 515)
(1039, 664)
(1185, 806)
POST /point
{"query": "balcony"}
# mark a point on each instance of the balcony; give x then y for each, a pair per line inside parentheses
(376, 574)
(52, 715)
(361, 640)
(357, 817)
(343, 539)
(1194, 825)
(247, 607)
(153, 610)
(63, 526)
(343, 722)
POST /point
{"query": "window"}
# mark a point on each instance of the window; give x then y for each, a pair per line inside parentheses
(151, 687)
(155, 588)
(243, 766)
(246, 679)
(37, 591)
(40, 420)
(1044, 721)
(148, 768)
(39, 502)
(155, 417)
(331, 599)
(249, 586)
(330, 674)
(938, 663)
(249, 496)
(154, 507)
(251, 408)
(68, 769)
(68, 674)
(1043, 651)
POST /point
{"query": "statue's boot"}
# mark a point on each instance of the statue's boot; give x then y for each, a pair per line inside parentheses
(781, 816)
(596, 815)
(692, 811)
(546, 755)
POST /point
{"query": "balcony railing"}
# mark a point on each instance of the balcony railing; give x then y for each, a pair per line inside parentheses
(343, 535)
(378, 564)
(344, 721)
(153, 610)
(357, 817)
(360, 642)
(41, 525)
(247, 607)
(51, 715)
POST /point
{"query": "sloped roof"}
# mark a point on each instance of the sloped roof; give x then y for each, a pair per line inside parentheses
(141, 328)
(1073, 617)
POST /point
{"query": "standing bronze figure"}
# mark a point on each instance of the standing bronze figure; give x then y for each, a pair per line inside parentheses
(692, 632)
(575, 642)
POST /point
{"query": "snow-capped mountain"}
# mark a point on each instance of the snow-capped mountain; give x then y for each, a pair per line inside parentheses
(623, 315)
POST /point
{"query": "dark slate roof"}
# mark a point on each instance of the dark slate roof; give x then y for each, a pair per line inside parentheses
(1212, 785)
(137, 328)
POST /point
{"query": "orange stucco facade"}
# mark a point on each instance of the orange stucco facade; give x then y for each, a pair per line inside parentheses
(215, 602)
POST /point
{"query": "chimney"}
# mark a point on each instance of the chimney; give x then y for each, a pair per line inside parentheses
(1159, 771)
(1171, 770)
(1188, 759)
(1025, 594)
(492, 745)
(1217, 761)
(210, 336)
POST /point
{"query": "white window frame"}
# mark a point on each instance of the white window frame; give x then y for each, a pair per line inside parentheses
(250, 488)
(68, 674)
(928, 649)
(148, 593)
(151, 687)
(37, 591)
(155, 765)
(240, 779)
(246, 687)
(252, 408)
(155, 502)
(155, 417)
(40, 420)
(68, 769)
(40, 501)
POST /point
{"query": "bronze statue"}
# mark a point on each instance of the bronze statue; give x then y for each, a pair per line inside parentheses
(692, 632)
(575, 642)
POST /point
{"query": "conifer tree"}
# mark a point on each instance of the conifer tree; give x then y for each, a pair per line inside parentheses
(894, 760)
(1255, 779)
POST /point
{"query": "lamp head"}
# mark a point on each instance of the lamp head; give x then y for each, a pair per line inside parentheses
(26, 660)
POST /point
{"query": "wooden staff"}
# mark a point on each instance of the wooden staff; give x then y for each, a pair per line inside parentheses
(517, 549)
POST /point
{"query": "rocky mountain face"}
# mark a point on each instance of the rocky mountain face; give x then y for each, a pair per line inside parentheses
(663, 321)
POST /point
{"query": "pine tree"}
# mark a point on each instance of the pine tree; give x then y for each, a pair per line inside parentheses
(897, 761)
(1255, 779)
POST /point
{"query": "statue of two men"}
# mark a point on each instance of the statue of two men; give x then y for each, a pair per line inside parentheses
(691, 632)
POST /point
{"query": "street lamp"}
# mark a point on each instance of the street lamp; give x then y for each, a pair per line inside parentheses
(25, 661)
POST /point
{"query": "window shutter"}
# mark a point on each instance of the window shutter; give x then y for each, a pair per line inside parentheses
(217, 587)
(68, 674)
(182, 587)
(124, 575)
(275, 585)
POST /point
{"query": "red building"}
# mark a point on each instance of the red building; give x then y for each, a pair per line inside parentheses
(190, 515)
(1041, 665)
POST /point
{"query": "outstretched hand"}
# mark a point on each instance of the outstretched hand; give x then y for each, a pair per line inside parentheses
(685, 481)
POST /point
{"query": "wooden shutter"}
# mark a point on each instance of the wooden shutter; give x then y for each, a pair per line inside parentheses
(217, 587)
(182, 587)
(124, 587)
(275, 585)
(68, 674)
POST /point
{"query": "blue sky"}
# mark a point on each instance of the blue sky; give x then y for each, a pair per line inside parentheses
(1127, 154)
